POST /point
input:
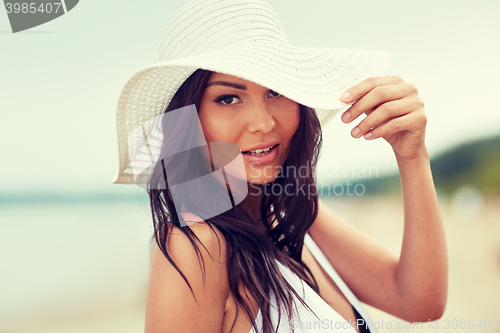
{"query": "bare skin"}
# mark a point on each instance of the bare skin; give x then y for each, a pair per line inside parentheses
(411, 286)
(414, 285)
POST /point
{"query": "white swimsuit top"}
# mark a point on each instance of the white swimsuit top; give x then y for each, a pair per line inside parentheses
(304, 320)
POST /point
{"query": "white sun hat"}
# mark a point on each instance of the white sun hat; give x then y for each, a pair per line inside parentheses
(243, 38)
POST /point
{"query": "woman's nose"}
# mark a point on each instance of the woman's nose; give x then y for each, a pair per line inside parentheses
(260, 118)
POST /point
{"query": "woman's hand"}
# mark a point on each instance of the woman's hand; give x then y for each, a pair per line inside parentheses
(394, 112)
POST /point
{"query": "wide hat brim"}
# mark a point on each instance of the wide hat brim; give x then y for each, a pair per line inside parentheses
(314, 77)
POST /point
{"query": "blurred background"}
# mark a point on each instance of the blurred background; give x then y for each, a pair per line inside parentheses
(74, 249)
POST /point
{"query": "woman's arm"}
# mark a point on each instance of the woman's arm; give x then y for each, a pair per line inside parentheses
(413, 286)
(422, 273)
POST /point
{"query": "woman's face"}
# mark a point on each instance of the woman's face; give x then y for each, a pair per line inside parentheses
(253, 117)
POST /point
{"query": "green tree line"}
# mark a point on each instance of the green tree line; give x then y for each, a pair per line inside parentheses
(475, 163)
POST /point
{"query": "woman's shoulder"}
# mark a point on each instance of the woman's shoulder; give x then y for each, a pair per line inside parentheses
(208, 235)
(169, 298)
(208, 239)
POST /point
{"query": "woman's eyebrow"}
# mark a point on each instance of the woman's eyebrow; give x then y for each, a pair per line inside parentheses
(228, 84)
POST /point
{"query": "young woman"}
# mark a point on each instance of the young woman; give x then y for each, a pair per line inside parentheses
(277, 260)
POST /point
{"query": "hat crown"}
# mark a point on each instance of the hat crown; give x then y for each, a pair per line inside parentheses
(203, 26)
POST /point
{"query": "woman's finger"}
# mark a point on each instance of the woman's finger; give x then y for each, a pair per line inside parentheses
(377, 96)
(414, 122)
(362, 88)
(385, 112)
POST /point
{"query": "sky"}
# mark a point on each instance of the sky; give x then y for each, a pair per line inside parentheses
(60, 82)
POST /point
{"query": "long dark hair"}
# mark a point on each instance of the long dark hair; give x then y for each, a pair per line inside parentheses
(251, 251)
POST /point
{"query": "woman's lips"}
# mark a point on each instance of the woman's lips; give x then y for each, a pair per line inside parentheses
(265, 159)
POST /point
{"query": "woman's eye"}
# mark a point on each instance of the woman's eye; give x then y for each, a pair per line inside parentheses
(228, 99)
(274, 93)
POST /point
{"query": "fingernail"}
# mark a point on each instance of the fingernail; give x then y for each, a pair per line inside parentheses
(346, 116)
(368, 135)
(355, 132)
(345, 96)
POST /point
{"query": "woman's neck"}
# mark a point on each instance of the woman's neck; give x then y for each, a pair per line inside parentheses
(252, 204)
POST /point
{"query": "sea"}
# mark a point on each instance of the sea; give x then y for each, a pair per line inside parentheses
(71, 263)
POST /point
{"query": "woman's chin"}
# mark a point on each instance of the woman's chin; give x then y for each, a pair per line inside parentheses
(261, 180)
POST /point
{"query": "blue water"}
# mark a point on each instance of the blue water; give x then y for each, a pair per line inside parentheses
(72, 254)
